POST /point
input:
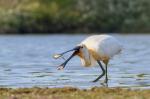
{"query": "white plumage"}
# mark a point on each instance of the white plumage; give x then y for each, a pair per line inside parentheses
(100, 47)
(95, 49)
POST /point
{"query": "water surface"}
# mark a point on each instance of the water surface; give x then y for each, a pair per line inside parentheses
(26, 61)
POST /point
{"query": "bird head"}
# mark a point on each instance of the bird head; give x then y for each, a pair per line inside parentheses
(84, 55)
(81, 51)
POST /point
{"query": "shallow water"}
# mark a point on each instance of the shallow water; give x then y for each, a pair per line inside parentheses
(26, 61)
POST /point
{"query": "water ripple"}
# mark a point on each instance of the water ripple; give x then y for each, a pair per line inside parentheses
(25, 61)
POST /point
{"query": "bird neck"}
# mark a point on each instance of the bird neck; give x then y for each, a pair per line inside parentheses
(87, 62)
(94, 55)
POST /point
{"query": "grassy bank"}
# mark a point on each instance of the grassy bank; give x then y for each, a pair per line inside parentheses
(73, 93)
(51, 16)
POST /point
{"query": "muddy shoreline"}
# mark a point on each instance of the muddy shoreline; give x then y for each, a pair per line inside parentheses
(73, 93)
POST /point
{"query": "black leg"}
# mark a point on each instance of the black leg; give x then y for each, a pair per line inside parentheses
(106, 77)
(103, 72)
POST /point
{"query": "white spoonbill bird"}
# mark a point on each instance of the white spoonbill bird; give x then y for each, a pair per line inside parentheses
(96, 48)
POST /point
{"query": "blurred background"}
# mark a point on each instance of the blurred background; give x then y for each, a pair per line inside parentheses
(74, 16)
(29, 57)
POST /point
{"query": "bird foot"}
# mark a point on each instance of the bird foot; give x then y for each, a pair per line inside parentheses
(106, 81)
(104, 84)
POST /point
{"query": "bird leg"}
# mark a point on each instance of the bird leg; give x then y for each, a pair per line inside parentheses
(103, 72)
(106, 77)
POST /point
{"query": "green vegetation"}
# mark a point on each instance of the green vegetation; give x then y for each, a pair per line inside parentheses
(53, 16)
(73, 93)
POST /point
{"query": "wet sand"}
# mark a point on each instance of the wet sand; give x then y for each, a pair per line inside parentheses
(73, 93)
